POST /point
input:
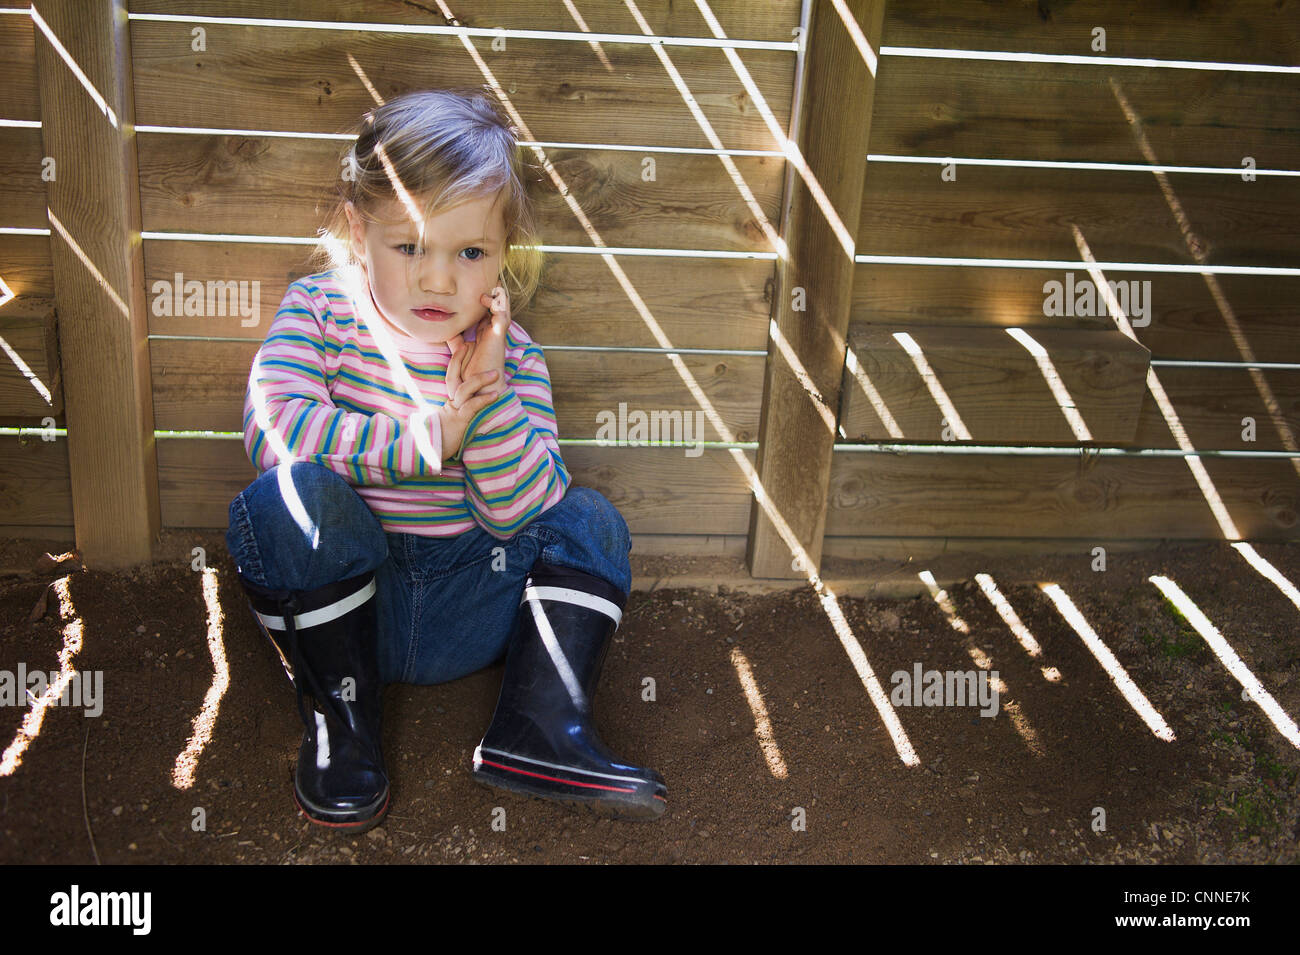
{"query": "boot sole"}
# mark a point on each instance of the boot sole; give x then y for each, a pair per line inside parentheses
(318, 817)
(602, 800)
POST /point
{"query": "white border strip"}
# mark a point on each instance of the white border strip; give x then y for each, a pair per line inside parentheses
(579, 597)
(430, 29)
(937, 54)
(1075, 164)
(314, 618)
(1065, 264)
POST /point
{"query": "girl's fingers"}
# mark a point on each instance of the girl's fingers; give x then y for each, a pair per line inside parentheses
(475, 385)
(453, 377)
(460, 359)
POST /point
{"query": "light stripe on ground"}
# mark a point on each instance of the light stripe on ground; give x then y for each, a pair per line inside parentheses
(762, 725)
(858, 658)
(187, 761)
(1269, 572)
(1228, 657)
(31, 728)
(982, 660)
(1118, 675)
(1013, 621)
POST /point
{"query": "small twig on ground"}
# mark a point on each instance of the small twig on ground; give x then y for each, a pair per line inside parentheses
(85, 813)
(633, 610)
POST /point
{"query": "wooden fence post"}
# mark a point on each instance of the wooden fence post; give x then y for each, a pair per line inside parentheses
(814, 284)
(83, 61)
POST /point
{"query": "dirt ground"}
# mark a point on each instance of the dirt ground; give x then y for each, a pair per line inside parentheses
(1024, 786)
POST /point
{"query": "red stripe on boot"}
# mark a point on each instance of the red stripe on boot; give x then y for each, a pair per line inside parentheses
(556, 779)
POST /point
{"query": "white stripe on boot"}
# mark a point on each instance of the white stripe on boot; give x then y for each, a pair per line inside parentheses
(314, 618)
(553, 648)
(322, 743)
(579, 597)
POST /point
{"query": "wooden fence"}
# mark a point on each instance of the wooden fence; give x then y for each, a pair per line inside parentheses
(823, 310)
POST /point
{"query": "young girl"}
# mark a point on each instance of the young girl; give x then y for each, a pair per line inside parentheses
(413, 520)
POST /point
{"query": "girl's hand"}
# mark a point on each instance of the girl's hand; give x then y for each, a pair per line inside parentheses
(488, 350)
(470, 397)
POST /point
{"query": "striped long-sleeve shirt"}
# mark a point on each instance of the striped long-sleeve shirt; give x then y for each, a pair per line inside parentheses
(326, 388)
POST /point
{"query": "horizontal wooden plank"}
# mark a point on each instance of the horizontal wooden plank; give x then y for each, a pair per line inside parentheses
(1262, 31)
(994, 383)
(22, 191)
(697, 303)
(875, 498)
(312, 81)
(35, 390)
(277, 186)
(998, 212)
(911, 550)
(771, 20)
(1000, 110)
(25, 265)
(657, 490)
(1041, 497)
(54, 533)
(200, 386)
(35, 487)
(841, 555)
(1212, 403)
(1008, 401)
(1193, 316)
(660, 491)
(659, 545)
(19, 97)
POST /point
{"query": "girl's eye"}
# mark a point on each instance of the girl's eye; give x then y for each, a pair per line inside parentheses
(480, 252)
(406, 245)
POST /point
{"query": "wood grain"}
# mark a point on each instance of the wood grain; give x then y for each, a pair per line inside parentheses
(1223, 317)
(999, 110)
(34, 338)
(770, 20)
(283, 187)
(813, 291)
(695, 302)
(19, 98)
(201, 386)
(1261, 31)
(98, 283)
(1040, 497)
(306, 81)
(996, 212)
(995, 385)
(657, 490)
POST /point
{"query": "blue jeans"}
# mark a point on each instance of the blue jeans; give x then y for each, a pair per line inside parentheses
(446, 605)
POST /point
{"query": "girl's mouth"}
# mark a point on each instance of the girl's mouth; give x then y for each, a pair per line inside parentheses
(432, 314)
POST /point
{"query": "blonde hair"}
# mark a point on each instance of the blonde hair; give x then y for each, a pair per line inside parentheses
(442, 147)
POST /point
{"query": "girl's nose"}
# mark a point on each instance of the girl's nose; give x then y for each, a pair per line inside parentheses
(437, 277)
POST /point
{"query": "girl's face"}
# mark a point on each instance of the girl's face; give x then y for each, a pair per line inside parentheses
(431, 291)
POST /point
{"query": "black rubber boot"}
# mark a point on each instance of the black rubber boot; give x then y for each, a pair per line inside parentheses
(328, 641)
(542, 740)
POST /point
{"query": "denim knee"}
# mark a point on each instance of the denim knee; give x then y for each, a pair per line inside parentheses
(608, 529)
(313, 530)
